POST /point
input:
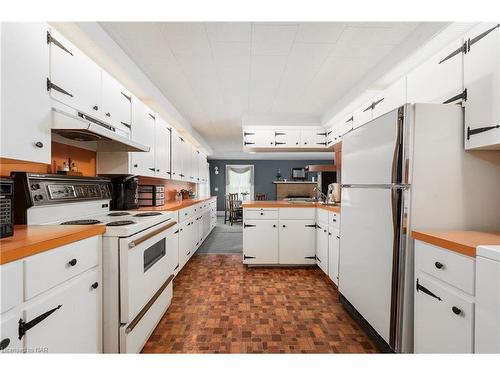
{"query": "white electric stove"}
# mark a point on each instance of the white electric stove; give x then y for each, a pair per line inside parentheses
(139, 250)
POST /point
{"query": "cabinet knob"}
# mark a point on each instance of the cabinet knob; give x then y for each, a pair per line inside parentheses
(39, 144)
(95, 108)
(438, 265)
(262, 213)
(4, 343)
(274, 225)
(95, 285)
(108, 114)
(456, 310)
(136, 165)
(284, 226)
(72, 262)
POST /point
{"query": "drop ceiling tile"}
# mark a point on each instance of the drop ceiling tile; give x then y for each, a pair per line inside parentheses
(229, 31)
(231, 54)
(186, 36)
(272, 39)
(320, 32)
(373, 35)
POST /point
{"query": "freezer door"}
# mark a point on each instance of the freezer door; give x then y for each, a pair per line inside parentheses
(367, 240)
(370, 153)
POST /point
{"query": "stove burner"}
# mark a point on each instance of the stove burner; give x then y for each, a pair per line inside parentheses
(120, 223)
(81, 222)
(118, 213)
(153, 213)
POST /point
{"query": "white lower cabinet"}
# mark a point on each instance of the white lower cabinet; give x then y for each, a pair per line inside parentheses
(322, 246)
(443, 310)
(188, 234)
(63, 314)
(444, 318)
(74, 323)
(296, 241)
(260, 241)
(333, 254)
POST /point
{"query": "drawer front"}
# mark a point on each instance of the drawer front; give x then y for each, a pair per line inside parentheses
(11, 285)
(44, 271)
(297, 213)
(444, 320)
(260, 213)
(186, 213)
(334, 220)
(453, 268)
(322, 215)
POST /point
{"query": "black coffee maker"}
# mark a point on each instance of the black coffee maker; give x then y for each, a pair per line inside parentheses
(125, 192)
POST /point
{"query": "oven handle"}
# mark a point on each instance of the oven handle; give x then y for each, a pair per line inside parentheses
(145, 309)
(150, 234)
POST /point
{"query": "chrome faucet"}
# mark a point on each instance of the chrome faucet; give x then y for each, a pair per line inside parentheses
(319, 195)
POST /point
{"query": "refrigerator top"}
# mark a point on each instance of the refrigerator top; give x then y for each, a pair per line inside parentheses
(372, 153)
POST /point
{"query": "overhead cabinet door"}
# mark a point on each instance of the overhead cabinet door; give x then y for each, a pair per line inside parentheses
(75, 80)
(176, 155)
(313, 138)
(143, 131)
(297, 240)
(260, 241)
(258, 138)
(287, 138)
(25, 104)
(162, 148)
(391, 98)
(482, 82)
(116, 103)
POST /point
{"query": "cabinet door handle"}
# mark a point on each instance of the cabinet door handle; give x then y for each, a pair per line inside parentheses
(310, 225)
(53, 86)
(438, 265)
(72, 262)
(95, 108)
(51, 39)
(95, 285)
(248, 257)
(313, 257)
(248, 225)
(176, 267)
(108, 114)
(39, 144)
(25, 326)
(456, 310)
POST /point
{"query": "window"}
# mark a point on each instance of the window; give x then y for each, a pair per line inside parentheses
(239, 179)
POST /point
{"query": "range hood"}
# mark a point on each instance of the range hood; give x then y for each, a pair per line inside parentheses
(80, 127)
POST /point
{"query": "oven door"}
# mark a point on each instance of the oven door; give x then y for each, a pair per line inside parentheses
(146, 263)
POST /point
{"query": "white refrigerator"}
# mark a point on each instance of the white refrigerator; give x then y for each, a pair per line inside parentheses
(405, 170)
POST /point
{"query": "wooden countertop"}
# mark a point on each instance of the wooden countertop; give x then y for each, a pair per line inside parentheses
(287, 204)
(33, 239)
(463, 242)
(175, 205)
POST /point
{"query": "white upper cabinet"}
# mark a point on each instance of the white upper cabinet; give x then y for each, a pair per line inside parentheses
(391, 98)
(438, 79)
(25, 114)
(482, 82)
(362, 115)
(143, 131)
(75, 80)
(287, 138)
(258, 137)
(177, 141)
(162, 148)
(192, 155)
(314, 137)
(116, 103)
(186, 152)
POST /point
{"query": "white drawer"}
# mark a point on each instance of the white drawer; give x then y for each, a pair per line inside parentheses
(186, 213)
(322, 215)
(260, 213)
(334, 219)
(11, 285)
(448, 266)
(46, 270)
(297, 213)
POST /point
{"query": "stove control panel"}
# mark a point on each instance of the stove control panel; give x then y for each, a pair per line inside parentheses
(54, 189)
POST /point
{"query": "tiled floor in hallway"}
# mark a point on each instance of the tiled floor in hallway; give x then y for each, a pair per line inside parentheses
(221, 306)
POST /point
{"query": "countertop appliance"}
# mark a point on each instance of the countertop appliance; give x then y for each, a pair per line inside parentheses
(334, 193)
(125, 192)
(405, 169)
(487, 326)
(6, 208)
(139, 251)
(298, 174)
(151, 195)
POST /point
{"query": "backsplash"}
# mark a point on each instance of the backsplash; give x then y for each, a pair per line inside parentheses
(171, 187)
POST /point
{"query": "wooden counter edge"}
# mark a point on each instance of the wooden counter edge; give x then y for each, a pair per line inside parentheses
(49, 244)
(445, 243)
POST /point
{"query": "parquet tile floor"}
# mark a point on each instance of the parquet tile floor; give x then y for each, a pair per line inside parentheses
(221, 306)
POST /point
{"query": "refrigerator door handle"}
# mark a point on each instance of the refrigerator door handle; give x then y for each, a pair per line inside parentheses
(397, 258)
(398, 150)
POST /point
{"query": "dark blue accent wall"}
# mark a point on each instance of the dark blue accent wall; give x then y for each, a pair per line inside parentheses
(265, 174)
